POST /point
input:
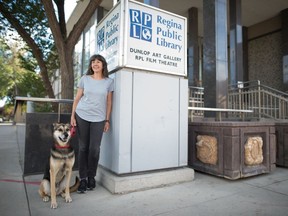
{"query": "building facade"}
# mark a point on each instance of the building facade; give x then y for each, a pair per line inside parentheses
(228, 42)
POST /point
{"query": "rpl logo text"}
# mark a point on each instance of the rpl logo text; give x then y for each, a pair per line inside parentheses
(166, 30)
(141, 25)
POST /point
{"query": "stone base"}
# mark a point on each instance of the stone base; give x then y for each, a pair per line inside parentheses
(231, 139)
(138, 181)
(282, 143)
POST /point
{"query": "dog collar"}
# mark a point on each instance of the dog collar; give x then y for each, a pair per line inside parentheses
(57, 146)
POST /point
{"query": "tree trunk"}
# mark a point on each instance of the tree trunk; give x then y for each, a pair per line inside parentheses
(65, 46)
(67, 78)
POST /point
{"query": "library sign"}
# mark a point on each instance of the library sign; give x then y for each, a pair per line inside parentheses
(143, 37)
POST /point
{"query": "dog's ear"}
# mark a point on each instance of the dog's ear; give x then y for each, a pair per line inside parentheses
(55, 125)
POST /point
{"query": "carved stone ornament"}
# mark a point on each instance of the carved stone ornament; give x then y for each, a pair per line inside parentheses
(253, 151)
(206, 147)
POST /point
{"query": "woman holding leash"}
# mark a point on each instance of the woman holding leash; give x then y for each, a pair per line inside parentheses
(91, 113)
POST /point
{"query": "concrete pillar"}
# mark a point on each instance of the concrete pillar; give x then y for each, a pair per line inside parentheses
(236, 42)
(245, 54)
(215, 67)
(193, 48)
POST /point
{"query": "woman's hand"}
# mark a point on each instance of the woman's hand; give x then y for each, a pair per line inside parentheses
(106, 126)
(73, 121)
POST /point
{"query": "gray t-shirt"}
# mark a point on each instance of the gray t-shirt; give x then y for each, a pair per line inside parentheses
(92, 105)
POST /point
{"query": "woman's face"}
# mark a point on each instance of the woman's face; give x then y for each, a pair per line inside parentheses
(97, 66)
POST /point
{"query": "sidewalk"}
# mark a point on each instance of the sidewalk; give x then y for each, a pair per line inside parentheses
(266, 194)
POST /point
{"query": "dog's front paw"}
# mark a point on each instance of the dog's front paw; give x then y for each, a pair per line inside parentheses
(45, 198)
(68, 199)
(54, 205)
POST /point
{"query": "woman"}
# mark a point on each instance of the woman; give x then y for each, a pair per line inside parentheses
(91, 113)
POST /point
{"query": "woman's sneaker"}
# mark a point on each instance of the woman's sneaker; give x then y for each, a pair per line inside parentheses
(83, 186)
(91, 183)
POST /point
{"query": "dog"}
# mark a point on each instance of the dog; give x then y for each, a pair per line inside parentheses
(57, 175)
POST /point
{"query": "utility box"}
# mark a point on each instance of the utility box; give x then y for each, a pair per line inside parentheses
(146, 51)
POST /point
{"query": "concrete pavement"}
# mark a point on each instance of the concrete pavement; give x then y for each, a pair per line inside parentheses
(266, 194)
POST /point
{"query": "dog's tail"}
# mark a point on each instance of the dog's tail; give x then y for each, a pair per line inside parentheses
(74, 187)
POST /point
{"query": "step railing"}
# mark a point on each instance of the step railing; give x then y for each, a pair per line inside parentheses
(196, 99)
(265, 101)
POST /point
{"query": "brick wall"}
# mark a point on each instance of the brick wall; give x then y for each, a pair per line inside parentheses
(265, 60)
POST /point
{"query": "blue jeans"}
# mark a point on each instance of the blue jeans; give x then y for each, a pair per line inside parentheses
(89, 136)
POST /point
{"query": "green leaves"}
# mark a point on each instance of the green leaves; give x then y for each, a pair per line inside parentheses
(17, 73)
(29, 14)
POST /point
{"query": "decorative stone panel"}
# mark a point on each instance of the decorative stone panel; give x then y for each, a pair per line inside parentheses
(253, 151)
(206, 147)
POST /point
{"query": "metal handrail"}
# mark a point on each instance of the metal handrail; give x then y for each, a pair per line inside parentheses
(20, 100)
(265, 101)
(196, 99)
(257, 83)
(218, 111)
(37, 99)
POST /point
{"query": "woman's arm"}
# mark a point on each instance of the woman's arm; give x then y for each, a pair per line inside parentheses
(108, 111)
(75, 103)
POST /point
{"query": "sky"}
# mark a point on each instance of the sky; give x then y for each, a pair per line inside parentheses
(69, 6)
(2, 102)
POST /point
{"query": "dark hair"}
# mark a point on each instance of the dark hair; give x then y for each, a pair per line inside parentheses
(100, 58)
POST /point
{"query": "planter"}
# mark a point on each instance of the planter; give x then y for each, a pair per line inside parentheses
(232, 150)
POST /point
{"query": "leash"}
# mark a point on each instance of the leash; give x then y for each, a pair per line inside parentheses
(59, 110)
(73, 129)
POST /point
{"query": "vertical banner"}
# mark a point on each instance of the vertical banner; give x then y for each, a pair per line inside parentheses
(155, 40)
(108, 38)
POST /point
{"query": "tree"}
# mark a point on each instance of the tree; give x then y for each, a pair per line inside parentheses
(65, 44)
(28, 19)
(14, 78)
(17, 12)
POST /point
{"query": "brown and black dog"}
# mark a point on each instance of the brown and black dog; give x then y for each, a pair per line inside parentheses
(57, 176)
